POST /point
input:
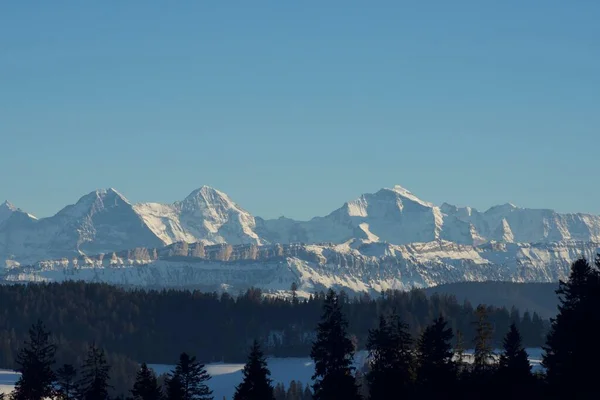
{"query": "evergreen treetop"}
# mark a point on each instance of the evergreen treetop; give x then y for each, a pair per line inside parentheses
(514, 364)
(146, 385)
(95, 375)
(391, 358)
(65, 382)
(483, 355)
(256, 384)
(189, 380)
(436, 368)
(333, 354)
(35, 360)
(571, 342)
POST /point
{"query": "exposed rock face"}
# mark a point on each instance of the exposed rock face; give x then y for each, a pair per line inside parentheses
(354, 266)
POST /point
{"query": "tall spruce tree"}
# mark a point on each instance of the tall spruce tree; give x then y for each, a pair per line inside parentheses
(35, 360)
(390, 351)
(571, 344)
(189, 380)
(95, 375)
(459, 351)
(307, 393)
(173, 388)
(436, 372)
(146, 385)
(279, 391)
(333, 354)
(65, 382)
(514, 370)
(483, 355)
(256, 384)
(294, 392)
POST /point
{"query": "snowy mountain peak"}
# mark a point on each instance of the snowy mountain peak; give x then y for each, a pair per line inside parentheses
(208, 194)
(110, 193)
(93, 202)
(7, 205)
(206, 215)
(6, 210)
(407, 194)
(209, 201)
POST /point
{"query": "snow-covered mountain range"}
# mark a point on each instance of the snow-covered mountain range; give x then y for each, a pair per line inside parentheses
(390, 238)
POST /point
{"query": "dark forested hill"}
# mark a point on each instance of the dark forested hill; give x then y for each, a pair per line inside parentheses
(155, 326)
(538, 297)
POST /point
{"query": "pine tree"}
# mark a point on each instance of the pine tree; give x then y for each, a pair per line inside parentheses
(174, 388)
(514, 370)
(146, 385)
(95, 374)
(294, 289)
(333, 354)
(436, 370)
(279, 391)
(570, 344)
(483, 355)
(294, 392)
(307, 393)
(65, 382)
(391, 357)
(459, 350)
(35, 360)
(256, 384)
(188, 382)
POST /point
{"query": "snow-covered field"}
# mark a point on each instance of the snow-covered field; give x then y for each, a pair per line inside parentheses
(7, 380)
(225, 377)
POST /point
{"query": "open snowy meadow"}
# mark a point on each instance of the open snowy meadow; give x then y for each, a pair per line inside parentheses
(7, 380)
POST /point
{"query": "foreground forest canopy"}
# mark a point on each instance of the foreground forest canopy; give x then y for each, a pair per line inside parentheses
(430, 365)
(157, 325)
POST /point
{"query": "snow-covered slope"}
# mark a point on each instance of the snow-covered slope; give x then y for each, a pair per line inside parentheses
(397, 216)
(391, 215)
(101, 221)
(207, 215)
(513, 224)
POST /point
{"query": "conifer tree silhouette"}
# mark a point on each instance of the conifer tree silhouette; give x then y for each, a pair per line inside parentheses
(333, 354)
(256, 384)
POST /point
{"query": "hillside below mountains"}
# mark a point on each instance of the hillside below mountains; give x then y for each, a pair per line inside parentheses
(387, 239)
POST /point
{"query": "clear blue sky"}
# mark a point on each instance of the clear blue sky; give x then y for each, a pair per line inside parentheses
(293, 107)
